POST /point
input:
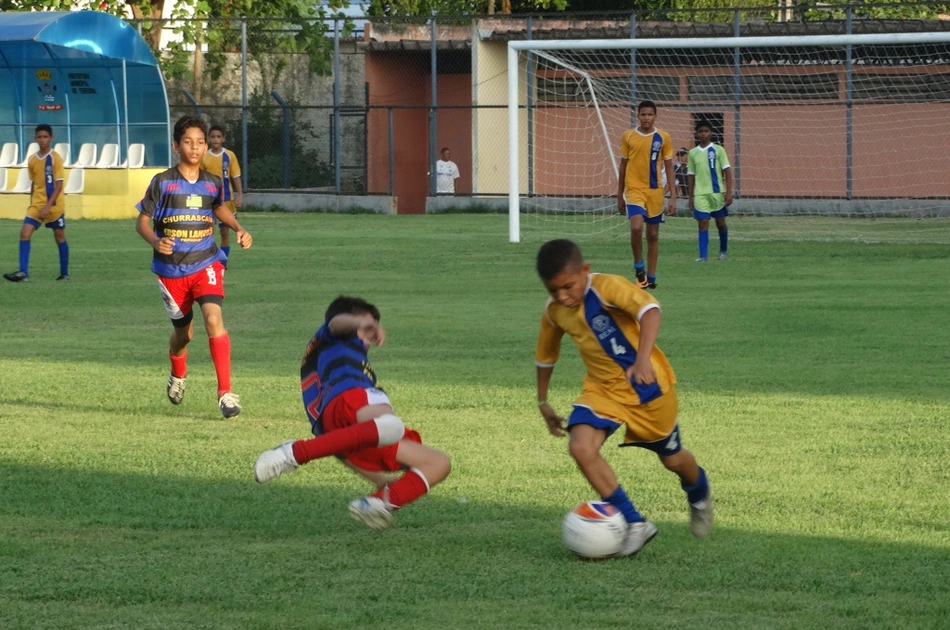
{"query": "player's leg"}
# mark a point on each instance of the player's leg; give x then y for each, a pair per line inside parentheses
(178, 305)
(26, 233)
(723, 233)
(209, 294)
(702, 221)
(225, 240)
(635, 214)
(696, 486)
(59, 235)
(587, 434)
(653, 251)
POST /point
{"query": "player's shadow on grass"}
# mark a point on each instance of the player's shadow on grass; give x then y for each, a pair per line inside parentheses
(120, 538)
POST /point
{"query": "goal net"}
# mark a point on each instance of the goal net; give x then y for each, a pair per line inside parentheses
(847, 129)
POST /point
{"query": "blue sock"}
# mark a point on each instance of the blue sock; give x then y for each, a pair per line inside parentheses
(25, 257)
(704, 244)
(63, 258)
(226, 250)
(638, 265)
(724, 241)
(651, 279)
(699, 490)
(621, 501)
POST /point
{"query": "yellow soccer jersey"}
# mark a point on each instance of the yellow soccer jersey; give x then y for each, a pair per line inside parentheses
(645, 154)
(606, 331)
(224, 165)
(45, 171)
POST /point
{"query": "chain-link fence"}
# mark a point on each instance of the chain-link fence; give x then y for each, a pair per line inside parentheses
(367, 105)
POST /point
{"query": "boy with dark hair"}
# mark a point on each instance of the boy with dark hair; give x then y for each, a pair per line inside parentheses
(176, 218)
(644, 151)
(711, 189)
(629, 383)
(224, 163)
(47, 206)
(353, 419)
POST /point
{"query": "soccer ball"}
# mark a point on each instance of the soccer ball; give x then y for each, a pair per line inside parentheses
(594, 529)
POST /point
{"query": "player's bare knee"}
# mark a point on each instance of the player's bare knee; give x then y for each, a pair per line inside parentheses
(582, 452)
(390, 428)
(439, 467)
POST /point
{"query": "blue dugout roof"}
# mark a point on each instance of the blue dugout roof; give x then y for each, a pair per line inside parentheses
(88, 74)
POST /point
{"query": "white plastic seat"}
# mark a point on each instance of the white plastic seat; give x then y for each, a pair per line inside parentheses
(9, 154)
(109, 158)
(62, 148)
(136, 155)
(75, 182)
(30, 150)
(87, 155)
(23, 183)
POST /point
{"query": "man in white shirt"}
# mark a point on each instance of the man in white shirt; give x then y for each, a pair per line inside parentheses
(446, 172)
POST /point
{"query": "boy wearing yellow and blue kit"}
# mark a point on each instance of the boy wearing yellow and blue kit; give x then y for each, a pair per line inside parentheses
(224, 163)
(711, 186)
(629, 383)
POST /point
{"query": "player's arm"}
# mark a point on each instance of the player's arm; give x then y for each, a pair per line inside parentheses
(546, 354)
(690, 182)
(621, 185)
(642, 369)
(555, 422)
(225, 216)
(47, 208)
(163, 245)
(670, 185)
(730, 185)
(367, 328)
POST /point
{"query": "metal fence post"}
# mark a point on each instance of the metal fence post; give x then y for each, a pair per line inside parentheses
(633, 71)
(285, 154)
(529, 75)
(245, 178)
(433, 126)
(392, 156)
(337, 131)
(737, 97)
(848, 104)
(193, 101)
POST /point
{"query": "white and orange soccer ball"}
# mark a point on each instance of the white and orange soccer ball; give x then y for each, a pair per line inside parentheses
(594, 529)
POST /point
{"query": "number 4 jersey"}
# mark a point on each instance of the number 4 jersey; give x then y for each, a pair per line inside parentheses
(606, 331)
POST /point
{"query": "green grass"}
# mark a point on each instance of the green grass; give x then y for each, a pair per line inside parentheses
(813, 383)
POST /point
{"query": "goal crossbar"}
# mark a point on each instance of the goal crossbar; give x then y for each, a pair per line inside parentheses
(516, 47)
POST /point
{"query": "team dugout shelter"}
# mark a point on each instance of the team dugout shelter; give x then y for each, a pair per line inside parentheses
(92, 77)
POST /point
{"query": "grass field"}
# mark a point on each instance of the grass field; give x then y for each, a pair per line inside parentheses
(813, 382)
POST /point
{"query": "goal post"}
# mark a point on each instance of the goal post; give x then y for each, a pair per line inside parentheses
(564, 126)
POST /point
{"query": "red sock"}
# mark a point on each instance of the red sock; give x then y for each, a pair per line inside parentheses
(405, 490)
(339, 442)
(179, 367)
(221, 357)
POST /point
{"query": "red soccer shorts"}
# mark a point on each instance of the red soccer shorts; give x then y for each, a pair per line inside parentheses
(341, 412)
(179, 294)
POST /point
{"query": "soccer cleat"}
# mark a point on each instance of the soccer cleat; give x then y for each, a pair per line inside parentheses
(723, 255)
(650, 285)
(17, 276)
(275, 462)
(701, 260)
(175, 389)
(229, 404)
(701, 518)
(372, 512)
(642, 279)
(638, 535)
(64, 276)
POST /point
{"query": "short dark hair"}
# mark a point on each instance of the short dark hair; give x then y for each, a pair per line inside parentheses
(556, 256)
(703, 123)
(644, 104)
(43, 127)
(444, 149)
(216, 128)
(187, 122)
(350, 305)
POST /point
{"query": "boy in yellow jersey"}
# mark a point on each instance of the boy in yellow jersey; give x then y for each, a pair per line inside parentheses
(47, 206)
(224, 163)
(644, 151)
(629, 383)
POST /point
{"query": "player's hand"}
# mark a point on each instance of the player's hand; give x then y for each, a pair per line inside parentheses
(671, 210)
(556, 423)
(692, 205)
(164, 245)
(44, 212)
(244, 238)
(641, 372)
(238, 201)
(729, 199)
(621, 205)
(372, 332)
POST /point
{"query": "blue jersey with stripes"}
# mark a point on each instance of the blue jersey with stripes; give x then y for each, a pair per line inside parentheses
(330, 366)
(185, 211)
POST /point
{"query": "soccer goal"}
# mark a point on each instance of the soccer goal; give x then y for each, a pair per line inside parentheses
(849, 129)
